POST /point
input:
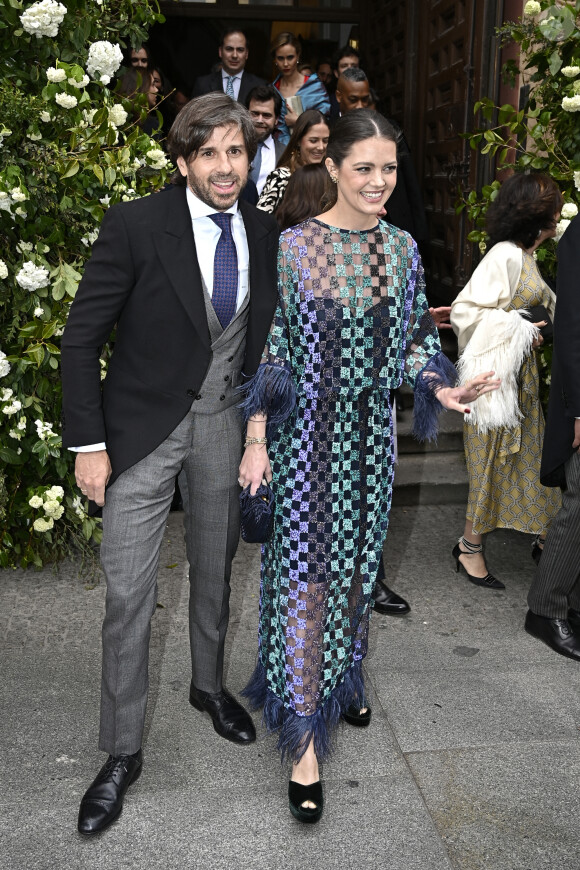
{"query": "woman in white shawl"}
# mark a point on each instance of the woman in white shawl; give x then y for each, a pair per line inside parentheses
(498, 318)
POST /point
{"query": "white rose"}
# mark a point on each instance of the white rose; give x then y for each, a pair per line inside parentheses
(31, 277)
(569, 210)
(105, 200)
(14, 408)
(45, 117)
(570, 71)
(7, 393)
(105, 59)
(24, 247)
(43, 18)
(4, 369)
(50, 507)
(82, 84)
(117, 115)
(157, 158)
(3, 270)
(35, 501)
(42, 525)
(571, 104)
(20, 212)
(54, 491)
(55, 75)
(34, 137)
(532, 7)
(21, 424)
(13, 433)
(38, 312)
(105, 79)
(561, 228)
(5, 201)
(18, 195)
(66, 101)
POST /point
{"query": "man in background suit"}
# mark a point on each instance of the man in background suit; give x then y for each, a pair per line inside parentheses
(264, 104)
(188, 278)
(232, 79)
(554, 596)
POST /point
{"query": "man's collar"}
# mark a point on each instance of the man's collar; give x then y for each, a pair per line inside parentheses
(226, 75)
(268, 142)
(198, 208)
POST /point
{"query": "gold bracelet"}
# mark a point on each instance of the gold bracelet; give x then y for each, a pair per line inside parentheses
(249, 441)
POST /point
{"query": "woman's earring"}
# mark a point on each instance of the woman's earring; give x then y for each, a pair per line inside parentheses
(334, 179)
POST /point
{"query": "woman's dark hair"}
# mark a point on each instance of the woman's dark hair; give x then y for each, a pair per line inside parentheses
(352, 128)
(303, 195)
(196, 122)
(526, 204)
(291, 154)
(285, 38)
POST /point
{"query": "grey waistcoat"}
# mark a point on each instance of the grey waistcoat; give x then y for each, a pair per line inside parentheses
(228, 346)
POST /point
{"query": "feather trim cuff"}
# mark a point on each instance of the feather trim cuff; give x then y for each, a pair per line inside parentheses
(438, 372)
(270, 391)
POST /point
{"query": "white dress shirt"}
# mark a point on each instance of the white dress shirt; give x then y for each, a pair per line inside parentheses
(206, 234)
(268, 162)
(236, 82)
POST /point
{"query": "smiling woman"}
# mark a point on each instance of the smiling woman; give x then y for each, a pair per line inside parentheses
(352, 322)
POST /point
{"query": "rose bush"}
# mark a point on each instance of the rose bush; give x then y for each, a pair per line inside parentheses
(545, 133)
(69, 148)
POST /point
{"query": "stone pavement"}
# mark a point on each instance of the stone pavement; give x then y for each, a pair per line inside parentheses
(472, 759)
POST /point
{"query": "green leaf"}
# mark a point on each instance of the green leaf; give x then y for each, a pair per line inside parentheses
(555, 62)
(71, 169)
(98, 172)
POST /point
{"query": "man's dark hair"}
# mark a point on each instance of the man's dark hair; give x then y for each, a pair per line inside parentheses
(526, 204)
(345, 51)
(264, 93)
(229, 32)
(199, 118)
(354, 74)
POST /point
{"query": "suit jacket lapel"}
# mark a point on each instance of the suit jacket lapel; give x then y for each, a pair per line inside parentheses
(178, 255)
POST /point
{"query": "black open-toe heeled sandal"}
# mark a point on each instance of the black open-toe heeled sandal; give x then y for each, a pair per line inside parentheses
(353, 716)
(299, 794)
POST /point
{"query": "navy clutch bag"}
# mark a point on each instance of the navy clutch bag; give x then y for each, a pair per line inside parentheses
(256, 514)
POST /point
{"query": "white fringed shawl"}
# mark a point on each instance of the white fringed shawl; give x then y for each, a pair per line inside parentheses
(491, 338)
(499, 343)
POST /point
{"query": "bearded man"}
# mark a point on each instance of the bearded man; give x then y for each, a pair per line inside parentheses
(188, 278)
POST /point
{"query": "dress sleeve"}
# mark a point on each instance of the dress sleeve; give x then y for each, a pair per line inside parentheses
(273, 190)
(272, 390)
(425, 368)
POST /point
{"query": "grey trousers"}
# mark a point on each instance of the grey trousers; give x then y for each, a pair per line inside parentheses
(206, 451)
(557, 583)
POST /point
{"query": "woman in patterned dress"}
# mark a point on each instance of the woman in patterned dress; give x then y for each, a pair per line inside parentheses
(503, 461)
(352, 322)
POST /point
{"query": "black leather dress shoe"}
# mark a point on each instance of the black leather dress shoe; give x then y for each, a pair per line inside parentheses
(388, 602)
(229, 718)
(557, 633)
(103, 800)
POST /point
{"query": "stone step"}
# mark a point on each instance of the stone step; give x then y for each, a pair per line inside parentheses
(449, 440)
(430, 478)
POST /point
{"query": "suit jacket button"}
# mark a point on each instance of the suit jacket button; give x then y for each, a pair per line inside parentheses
(198, 396)
(230, 359)
(227, 377)
(222, 398)
(190, 393)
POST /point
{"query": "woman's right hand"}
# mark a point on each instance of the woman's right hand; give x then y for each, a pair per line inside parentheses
(290, 117)
(254, 467)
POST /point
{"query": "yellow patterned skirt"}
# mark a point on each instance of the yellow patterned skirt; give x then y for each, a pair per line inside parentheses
(504, 468)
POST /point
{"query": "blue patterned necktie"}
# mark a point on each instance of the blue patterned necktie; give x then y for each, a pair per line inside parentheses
(257, 164)
(230, 87)
(225, 270)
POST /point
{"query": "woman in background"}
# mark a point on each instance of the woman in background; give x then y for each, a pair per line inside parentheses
(503, 461)
(307, 145)
(291, 82)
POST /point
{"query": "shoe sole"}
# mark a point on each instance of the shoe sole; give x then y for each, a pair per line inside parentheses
(197, 706)
(116, 816)
(385, 612)
(553, 646)
(299, 815)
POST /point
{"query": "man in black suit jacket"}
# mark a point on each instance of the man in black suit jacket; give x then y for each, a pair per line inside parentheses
(168, 406)
(233, 53)
(554, 597)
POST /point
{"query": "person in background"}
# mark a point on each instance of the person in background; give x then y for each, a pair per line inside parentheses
(352, 90)
(503, 441)
(290, 82)
(307, 145)
(264, 104)
(138, 80)
(346, 58)
(305, 68)
(232, 79)
(304, 193)
(140, 58)
(554, 596)
(325, 74)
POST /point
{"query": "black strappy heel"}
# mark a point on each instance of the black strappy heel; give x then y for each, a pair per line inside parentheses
(489, 581)
(298, 794)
